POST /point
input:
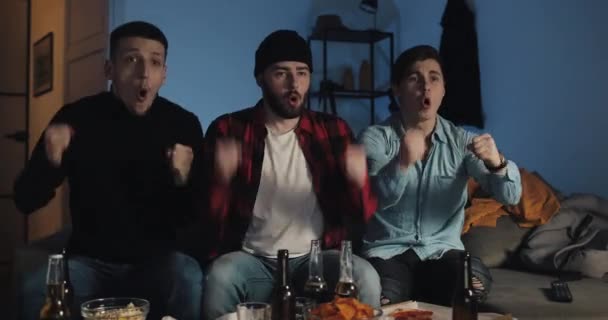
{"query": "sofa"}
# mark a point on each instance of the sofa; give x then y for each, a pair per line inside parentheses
(524, 293)
(515, 290)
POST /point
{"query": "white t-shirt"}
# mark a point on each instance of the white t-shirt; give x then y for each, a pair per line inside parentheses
(286, 214)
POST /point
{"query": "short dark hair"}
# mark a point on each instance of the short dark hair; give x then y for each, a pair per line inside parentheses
(409, 57)
(137, 29)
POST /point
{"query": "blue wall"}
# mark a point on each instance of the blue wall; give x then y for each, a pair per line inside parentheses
(541, 66)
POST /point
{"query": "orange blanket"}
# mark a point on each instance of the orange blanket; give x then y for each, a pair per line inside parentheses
(537, 205)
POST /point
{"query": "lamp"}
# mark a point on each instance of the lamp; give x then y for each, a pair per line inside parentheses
(369, 6)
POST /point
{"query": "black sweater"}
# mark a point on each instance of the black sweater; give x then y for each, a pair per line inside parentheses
(124, 204)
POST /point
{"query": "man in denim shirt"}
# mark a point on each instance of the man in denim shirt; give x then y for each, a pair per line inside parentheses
(419, 164)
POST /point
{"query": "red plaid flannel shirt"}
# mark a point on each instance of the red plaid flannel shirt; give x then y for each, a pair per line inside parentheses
(323, 138)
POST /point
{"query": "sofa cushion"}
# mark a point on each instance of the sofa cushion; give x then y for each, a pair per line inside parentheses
(524, 295)
(495, 245)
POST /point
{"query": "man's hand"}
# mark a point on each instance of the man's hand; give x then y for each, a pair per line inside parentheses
(57, 139)
(413, 147)
(484, 148)
(227, 159)
(180, 160)
(356, 164)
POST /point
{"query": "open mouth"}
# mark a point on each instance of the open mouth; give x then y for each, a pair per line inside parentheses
(293, 98)
(142, 94)
(426, 102)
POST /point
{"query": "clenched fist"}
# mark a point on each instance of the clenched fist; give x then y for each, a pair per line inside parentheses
(227, 158)
(57, 139)
(356, 164)
(180, 160)
(484, 148)
(413, 147)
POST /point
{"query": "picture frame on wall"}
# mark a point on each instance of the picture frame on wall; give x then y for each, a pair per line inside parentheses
(43, 65)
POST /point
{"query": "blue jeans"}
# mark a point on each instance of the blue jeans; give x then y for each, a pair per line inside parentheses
(172, 283)
(239, 276)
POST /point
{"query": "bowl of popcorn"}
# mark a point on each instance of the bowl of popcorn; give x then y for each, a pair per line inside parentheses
(115, 309)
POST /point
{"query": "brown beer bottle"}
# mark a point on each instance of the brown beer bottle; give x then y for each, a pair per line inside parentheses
(283, 299)
(55, 307)
(346, 287)
(315, 287)
(464, 305)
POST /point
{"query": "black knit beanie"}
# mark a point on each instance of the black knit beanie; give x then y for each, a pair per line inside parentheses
(282, 45)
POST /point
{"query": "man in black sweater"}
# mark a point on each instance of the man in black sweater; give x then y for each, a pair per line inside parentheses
(131, 159)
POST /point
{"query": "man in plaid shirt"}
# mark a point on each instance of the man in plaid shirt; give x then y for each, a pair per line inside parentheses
(279, 176)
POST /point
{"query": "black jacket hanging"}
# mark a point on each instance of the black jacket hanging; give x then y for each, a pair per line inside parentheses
(458, 50)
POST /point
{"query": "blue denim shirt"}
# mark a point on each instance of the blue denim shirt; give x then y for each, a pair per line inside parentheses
(423, 207)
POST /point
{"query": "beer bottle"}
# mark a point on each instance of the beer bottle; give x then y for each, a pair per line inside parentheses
(283, 299)
(464, 304)
(55, 307)
(68, 290)
(315, 287)
(346, 287)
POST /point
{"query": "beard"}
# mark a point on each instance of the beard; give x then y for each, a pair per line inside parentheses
(279, 107)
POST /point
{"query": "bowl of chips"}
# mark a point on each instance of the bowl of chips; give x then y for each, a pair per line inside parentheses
(115, 309)
(344, 309)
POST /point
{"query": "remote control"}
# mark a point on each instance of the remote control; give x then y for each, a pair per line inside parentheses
(560, 292)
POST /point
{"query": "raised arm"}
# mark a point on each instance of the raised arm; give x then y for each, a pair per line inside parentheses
(46, 169)
(350, 186)
(186, 165)
(389, 162)
(221, 158)
(496, 175)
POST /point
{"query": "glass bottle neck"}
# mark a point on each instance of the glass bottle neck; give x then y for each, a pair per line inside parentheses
(55, 272)
(283, 268)
(315, 263)
(466, 272)
(346, 262)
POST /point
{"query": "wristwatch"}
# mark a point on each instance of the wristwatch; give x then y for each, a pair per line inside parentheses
(502, 165)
